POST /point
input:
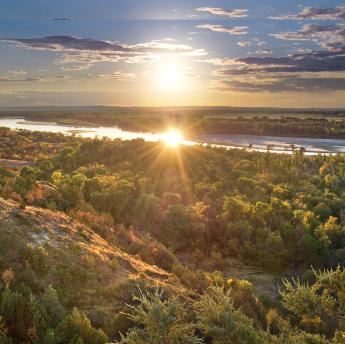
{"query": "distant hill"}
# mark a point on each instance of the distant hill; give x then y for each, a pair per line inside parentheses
(182, 110)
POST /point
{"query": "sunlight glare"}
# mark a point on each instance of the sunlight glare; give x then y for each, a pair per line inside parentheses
(170, 77)
(172, 138)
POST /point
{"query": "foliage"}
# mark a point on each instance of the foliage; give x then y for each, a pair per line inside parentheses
(190, 211)
(319, 307)
(218, 319)
(76, 329)
(160, 320)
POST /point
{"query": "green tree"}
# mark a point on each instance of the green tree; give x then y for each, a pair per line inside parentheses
(76, 328)
(146, 212)
(320, 306)
(177, 223)
(71, 186)
(53, 306)
(4, 339)
(21, 317)
(219, 320)
(159, 321)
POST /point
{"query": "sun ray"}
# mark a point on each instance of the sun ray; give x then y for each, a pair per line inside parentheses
(172, 138)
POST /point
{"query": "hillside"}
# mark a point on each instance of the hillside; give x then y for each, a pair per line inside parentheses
(89, 273)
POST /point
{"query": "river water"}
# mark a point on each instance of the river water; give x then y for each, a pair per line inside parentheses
(258, 143)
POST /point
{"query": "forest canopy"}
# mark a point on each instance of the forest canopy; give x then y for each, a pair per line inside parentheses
(193, 212)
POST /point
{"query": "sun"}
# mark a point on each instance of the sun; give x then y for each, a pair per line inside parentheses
(172, 138)
(170, 77)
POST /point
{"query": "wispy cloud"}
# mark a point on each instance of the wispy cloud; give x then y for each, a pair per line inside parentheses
(243, 43)
(118, 75)
(288, 84)
(320, 70)
(264, 52)
(220, 61)
(313, 13)
(232, 13)
(22, 78)
(230, 30)
(317, 71)
(315, 61)
(16, 72)
(331, 37)
(82, 53)
(61, 19)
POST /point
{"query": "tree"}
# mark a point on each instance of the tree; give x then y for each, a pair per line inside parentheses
(53, 306)
(25, 181)
(146, 212)
(177, 223)
(70, 186)
(111, 194)
(235, 209)
(21, 317)
(219, 320)
(319, 306)
(76, 328)
(4, 339)
(49, 337)
(159, 321)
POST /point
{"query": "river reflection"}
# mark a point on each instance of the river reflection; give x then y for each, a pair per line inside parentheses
(275, 144)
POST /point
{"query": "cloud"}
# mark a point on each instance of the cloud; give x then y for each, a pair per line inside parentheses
(10, 78)
(233, 13)
(120, 76)
(313, 13)
(315, 61)
(18, 75)
(66, 43)
(264, 52)
(243, 43)
(61, 19)
(16, 72)
(81, 53)
(220, 62)
(234, 30)
(260, 43)
(331, 37)
(316, 70)
(288, 84)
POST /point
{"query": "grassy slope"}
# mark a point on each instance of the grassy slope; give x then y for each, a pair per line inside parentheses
(98, 277)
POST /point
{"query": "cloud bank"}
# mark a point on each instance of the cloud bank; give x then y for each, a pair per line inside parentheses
(81, 53)
(313, 13)
(329, 37)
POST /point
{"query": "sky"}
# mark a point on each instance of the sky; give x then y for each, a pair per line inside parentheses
(172, 53)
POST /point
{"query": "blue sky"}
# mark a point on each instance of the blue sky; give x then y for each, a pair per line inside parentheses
(191, 52)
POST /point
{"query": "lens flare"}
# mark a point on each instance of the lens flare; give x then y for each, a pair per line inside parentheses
(172, 138)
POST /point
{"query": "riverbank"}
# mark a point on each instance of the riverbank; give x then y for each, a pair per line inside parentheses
(193, 125)
(275, 144)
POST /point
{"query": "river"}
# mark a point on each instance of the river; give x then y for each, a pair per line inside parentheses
(276, 144)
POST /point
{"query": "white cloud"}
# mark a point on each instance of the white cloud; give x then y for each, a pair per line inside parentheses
(234, 30)
(243, 43)
(118, 75)
(233, 13)
(264, 52)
